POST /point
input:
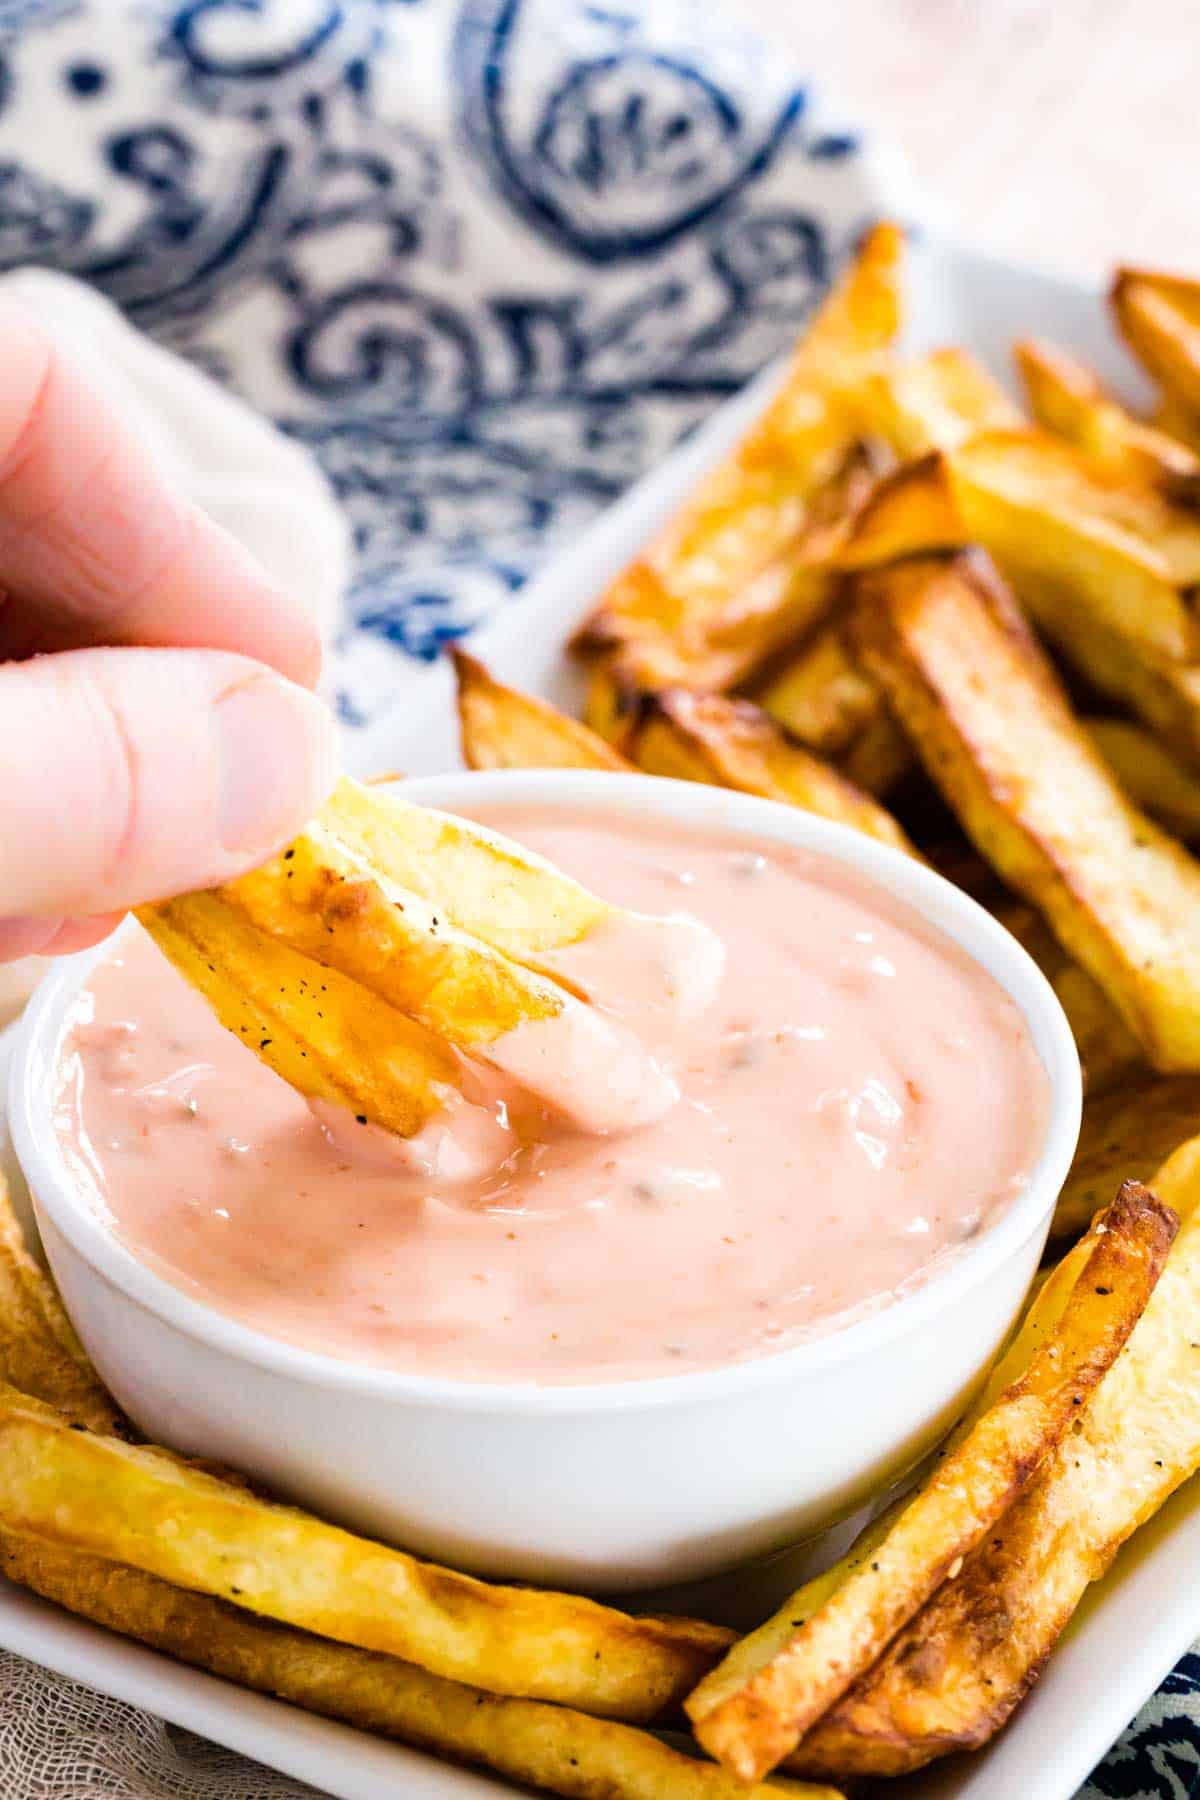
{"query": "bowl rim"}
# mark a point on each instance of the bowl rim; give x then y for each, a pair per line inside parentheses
(938, 901)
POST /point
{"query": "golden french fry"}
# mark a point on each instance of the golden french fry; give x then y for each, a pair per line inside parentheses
(1159, 318)
(1174, 419)
(752, 1710)
(1108, 1051)
(504, 729)
(39, 1351)
(933, 402)
(988, 718)
(1149, 773)
(1067, 398)
(732, 743)
(823, 699)
(954, 1675)
(1057, 525)
(143, 1508)
(743, 521)
(325, 1035)
(1129, 1132)
(551, 1748)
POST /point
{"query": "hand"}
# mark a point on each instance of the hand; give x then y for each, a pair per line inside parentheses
(145, 748)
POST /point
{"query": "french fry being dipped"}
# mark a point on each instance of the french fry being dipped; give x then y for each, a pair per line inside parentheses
(388, 940)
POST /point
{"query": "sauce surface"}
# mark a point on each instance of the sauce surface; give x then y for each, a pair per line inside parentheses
(857, 1102)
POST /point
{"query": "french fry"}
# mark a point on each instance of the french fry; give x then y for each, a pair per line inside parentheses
(141, 1507)
(752, 1710)
(1150, 775)
(989, 720)
(551, 1748)
(743, 522)
(504, 729)
(326, 1036)
(1173, 418)
(934, 402)
(1067, 398)
(1159, 318)
(825, 701)
(1130, 1131)
(732, 743)
(39, 1351)
(955, 1674)
(1055, 522)
(1108, 1051)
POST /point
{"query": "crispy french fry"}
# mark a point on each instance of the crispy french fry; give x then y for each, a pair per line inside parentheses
(988, 717)
(1108, 1051)
(744, 520)
(1056, 524)
(1159, 318)
(1149, 773)
(148, 1510)
(1174, 419)
(752, 1710)
(732, 743)
(955, 1674)
(550, 1748)
(504, 729)
(325, 1035)
(1129, 1132)
(1165, 694)
(39, 1351)
(824, 700)
(934, 402)
(1067, 398)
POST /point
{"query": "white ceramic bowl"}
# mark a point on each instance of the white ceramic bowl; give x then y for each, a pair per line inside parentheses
(618, 1485)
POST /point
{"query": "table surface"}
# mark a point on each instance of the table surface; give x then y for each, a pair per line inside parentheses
(1059, 132)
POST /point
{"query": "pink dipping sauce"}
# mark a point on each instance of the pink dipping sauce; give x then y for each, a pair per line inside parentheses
(859, 1101)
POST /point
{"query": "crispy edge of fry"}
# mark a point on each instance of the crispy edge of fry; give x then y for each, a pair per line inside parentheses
(330, 906)
(503, 728)
(1108, 1050)
(142, 1507)
(324, 1034)
(825, 701)
(733, 744)
(752, 1710)
(1159, 318)
(957, 1672)
(1068, 398)
(914, 512)
(1152, 777)
(527, 1741)
(1119, 552)
(988, 717)
(1128, 1132)
(39, 1351)
(747, 513)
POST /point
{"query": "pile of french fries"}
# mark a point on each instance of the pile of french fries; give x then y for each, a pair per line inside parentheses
(901, 605)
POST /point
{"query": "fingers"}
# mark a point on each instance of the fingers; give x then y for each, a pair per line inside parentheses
(95, 548)
(33, 936)
(126, 775)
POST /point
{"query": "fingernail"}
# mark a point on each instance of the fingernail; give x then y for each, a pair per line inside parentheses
(278, 762)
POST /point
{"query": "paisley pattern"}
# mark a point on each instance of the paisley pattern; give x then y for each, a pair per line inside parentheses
(487, 259)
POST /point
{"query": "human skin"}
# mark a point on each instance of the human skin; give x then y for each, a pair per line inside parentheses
(157, 728)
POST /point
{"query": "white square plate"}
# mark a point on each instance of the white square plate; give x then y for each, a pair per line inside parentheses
(1136, 1623)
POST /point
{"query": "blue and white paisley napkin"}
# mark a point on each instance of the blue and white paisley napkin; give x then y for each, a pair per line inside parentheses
(486, 260)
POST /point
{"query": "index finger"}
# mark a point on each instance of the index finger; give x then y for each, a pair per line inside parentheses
(96, 549)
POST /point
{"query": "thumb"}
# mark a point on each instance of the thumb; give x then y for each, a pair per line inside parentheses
(128, 775)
